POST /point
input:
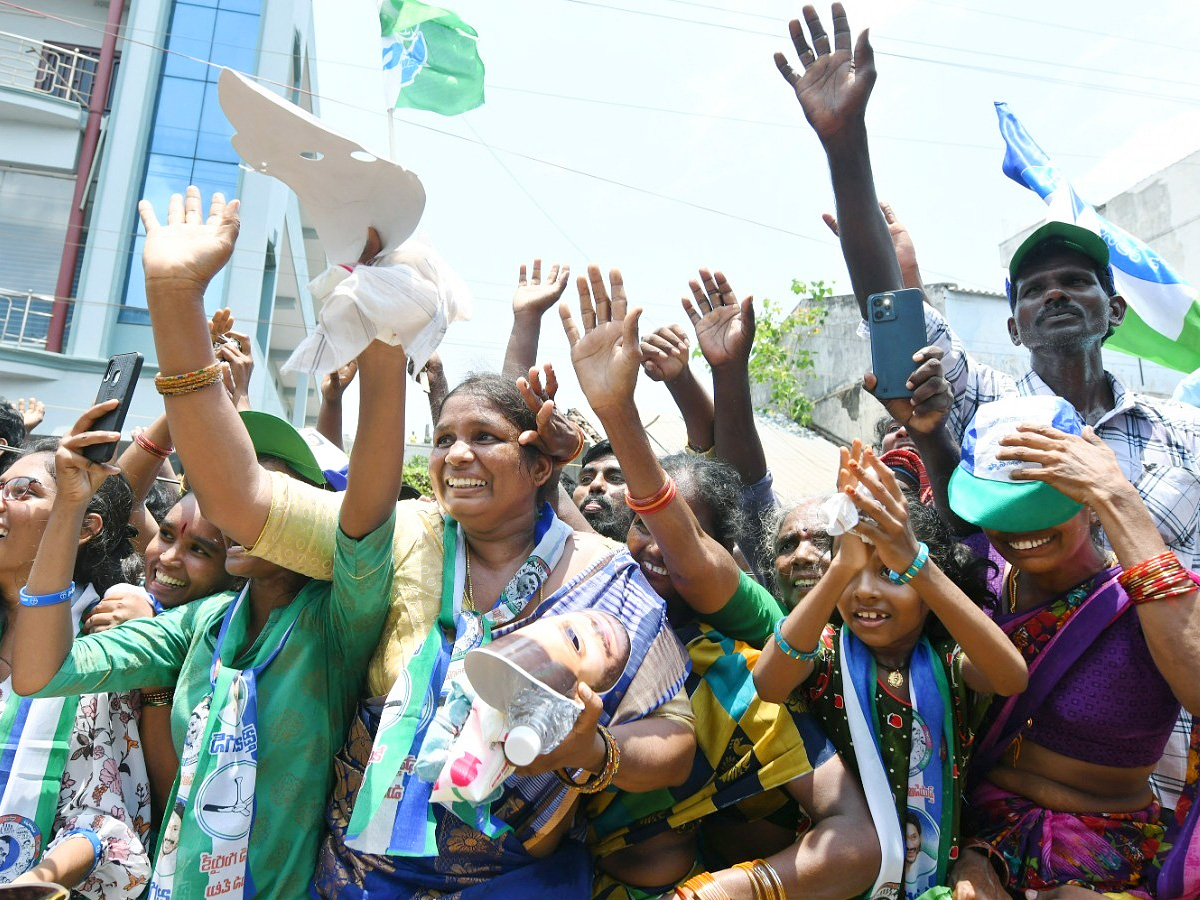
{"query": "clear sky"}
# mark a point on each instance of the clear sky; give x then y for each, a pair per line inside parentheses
(696, 152)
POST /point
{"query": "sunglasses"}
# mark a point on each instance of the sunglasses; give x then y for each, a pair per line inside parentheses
(19, 488)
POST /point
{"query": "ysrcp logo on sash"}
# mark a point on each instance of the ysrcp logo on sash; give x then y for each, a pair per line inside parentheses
(224, 807)
(922, 746)
(20, 845)
(405, 54)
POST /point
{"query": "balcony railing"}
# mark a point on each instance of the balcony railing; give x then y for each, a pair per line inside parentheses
(68, 73)
(24, 318)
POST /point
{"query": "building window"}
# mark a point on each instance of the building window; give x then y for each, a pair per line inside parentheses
(189, 135)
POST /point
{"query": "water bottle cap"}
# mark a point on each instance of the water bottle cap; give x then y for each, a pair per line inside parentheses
(523, 745)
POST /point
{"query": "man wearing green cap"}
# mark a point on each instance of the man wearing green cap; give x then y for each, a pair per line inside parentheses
(1064, 305)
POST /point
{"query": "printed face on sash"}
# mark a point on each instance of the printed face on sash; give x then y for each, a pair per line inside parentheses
(921, 840)
(912, 841)
(560, 651)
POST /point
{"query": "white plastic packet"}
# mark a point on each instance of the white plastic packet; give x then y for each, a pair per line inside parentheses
(475, 766)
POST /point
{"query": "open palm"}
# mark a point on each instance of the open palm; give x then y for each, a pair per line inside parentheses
(536, 296)
(189, 250)
(607, 355)
(724, 327)
(836, 83)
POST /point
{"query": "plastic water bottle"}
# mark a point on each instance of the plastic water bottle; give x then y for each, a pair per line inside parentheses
(538, 721)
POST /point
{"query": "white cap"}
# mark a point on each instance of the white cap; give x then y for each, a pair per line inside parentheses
(523, 745)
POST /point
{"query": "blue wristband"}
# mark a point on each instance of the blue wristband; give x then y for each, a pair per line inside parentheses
(790, 651)
(27, 599)
(917, 565)
(97, 847)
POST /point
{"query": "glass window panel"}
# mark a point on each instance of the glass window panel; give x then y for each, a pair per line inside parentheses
(165, 175)
(191, 34)
(34, 210)
(135, 285)
(246, 6)
(176, 119)
(235, 43)
(215, 130)
(211, 177)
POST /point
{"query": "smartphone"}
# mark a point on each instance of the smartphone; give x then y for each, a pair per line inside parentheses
(896, 320)
(120, 379)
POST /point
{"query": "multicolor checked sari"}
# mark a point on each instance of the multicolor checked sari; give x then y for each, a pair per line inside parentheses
(747, 749)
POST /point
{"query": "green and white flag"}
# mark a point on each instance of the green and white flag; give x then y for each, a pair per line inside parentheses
(430, 58)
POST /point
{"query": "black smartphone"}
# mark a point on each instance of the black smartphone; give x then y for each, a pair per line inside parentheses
(120, 379)
(896, 320)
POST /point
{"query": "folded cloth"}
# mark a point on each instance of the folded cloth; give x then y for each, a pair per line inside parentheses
(840, 515)
(407, 298)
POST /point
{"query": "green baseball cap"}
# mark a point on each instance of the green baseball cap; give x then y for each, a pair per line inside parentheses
(273, 436)
(1077, 238)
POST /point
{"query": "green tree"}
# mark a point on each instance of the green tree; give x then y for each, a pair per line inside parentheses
(781, 360)
(416, 473)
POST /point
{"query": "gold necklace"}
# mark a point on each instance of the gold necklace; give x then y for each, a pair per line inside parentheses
(1010, 581)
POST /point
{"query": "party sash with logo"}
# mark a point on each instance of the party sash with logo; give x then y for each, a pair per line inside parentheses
(392, 813)
(931, 759)
(204, 850)
(34, 738)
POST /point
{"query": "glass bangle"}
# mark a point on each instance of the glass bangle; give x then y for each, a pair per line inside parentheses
(27, 599)
(790, 651)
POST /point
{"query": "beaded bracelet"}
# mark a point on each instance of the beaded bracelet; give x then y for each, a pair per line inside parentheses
(158, 698)
(656, 502)
(94, 839)
(790, 651)
(1157, 578)
(152, 448)
(187, 382)
(27, 599)
(917, 565)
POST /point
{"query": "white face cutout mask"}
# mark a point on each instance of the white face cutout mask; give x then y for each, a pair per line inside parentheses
(342, 186)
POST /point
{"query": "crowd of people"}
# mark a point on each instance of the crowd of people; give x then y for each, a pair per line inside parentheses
(970, 666)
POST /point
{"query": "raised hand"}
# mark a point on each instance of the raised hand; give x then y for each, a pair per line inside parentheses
(906, 252)
(556, 435)
(853, 553)
(883, 513)
(76, 477)
(334, 383)
(926, 410)
(724, 327)
(665, 353)
(219, 325)
(32, 411)
(188, 251)
(607, 356)
(533, 297)
(234, 352)
(835, 85)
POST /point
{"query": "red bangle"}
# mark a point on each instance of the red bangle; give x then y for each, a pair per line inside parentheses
(152, 448)
(1157, 578)
(656, 502)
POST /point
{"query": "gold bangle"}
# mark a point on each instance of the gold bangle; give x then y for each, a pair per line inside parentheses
(158, 698)
(598, 781)
(756, 883)
(771, 875)
(705, 887)
(187, 382)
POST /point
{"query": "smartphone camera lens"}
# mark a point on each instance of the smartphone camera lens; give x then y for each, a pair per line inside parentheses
(887, 302)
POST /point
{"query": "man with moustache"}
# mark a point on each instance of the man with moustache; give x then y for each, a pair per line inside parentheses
(600, 494)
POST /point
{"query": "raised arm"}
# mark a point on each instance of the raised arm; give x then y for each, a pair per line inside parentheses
(833, 90)
(725, 332)
(180, 258)
(141, 463)
(906, 252)
(607, 358)
(377, 460)
(1086, 469)
(665, 355)
(329, 416)
(530, 302)
(42, 633)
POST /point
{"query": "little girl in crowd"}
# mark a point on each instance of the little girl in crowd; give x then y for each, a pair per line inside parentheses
(896, 694)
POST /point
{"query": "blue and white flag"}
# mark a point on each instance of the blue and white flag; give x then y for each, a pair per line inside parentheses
(1162, 323)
